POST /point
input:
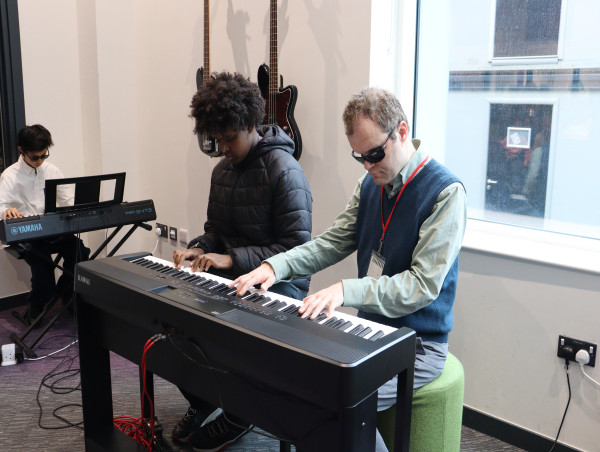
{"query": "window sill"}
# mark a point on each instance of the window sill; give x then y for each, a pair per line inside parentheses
(512, 61)
(571, 252)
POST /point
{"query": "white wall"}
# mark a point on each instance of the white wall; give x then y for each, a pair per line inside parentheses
(116, 96)
(508, 316)
(15, 275)
(51, 77)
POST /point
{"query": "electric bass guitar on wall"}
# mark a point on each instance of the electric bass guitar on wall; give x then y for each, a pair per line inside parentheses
(279, 101)
(207, 144)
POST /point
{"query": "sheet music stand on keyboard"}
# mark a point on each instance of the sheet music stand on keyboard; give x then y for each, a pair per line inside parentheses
(86, 191)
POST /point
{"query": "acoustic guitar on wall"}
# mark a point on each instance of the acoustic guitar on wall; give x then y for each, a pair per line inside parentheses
(279, 101)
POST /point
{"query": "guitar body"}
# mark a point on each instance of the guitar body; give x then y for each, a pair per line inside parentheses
(262, 79)
(199, 77)
(279, 108)
(206, 143)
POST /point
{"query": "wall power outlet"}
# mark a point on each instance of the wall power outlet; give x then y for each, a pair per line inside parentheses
(568, 348)
(163, 230)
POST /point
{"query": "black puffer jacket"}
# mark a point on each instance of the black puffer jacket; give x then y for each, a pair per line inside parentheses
(258, 208)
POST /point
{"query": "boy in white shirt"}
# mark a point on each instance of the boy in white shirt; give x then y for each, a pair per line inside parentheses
(22, 194)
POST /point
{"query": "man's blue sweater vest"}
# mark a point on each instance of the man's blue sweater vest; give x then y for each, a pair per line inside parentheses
(434, 321)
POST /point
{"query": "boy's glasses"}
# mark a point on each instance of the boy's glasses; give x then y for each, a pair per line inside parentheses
(37, 157)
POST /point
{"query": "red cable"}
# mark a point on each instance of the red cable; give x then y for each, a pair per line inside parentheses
(132, 427)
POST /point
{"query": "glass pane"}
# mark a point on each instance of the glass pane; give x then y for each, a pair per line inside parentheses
(526, 28)
(517, 160)
(523, 138)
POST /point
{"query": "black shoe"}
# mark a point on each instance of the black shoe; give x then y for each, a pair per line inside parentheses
(191, 420)
(217, 435)
(185, 426)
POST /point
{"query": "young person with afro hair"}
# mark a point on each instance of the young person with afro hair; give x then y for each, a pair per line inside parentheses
(260, 204)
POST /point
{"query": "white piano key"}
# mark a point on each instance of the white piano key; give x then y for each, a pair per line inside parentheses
(354, 321)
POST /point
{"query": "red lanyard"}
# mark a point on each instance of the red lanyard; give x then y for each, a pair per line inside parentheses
(385, 225)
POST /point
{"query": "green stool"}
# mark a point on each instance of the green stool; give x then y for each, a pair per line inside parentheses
(436, 420)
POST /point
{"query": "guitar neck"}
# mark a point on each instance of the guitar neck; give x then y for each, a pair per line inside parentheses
(206, 71)
(273, 68)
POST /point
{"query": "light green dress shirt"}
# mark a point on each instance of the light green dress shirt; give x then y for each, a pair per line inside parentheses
(440, 239)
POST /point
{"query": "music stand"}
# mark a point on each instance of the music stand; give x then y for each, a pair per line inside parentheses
(87, 191)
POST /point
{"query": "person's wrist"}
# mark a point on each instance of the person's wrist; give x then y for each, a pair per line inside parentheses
(197, 246)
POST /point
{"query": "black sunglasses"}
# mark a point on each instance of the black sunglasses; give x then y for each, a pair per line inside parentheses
(38, 157)
(373, 155)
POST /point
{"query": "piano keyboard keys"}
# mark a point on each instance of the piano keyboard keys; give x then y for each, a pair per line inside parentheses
(341, 321)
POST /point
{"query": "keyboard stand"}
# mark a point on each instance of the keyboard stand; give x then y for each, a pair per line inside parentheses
(17, 251)
(20, 340)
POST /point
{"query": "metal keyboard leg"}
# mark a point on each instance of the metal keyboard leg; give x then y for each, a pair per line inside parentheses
(20, 340)
(20, 317)
(17, 251)
(403, 410)
(284, 446)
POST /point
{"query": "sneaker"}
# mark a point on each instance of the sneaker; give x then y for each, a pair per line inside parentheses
(193, 419)
(217, 435)
(188, 423)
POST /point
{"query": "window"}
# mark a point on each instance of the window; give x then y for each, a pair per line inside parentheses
(526, 28)
(522, 136)
(518, 156)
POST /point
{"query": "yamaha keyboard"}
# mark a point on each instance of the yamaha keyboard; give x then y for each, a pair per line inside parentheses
(257, 342)
(15, 230)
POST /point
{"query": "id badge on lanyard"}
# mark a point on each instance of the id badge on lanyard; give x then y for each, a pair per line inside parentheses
(376, 265)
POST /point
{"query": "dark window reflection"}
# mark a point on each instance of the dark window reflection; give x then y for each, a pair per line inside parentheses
(518, 156)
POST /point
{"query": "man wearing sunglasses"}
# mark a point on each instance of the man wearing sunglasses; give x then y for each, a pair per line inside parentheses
(22, 194)
(406, 220)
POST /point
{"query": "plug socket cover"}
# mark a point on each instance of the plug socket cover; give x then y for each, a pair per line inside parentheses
(9, 355)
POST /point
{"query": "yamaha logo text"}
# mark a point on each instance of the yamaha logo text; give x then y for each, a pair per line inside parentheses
(35, 227)
(83, 279)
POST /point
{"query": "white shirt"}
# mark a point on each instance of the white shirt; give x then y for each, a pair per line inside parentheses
(22, 187)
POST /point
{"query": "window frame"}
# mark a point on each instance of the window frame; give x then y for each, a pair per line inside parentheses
(12, 99)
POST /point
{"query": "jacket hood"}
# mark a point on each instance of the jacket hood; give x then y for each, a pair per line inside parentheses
(273, 137)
